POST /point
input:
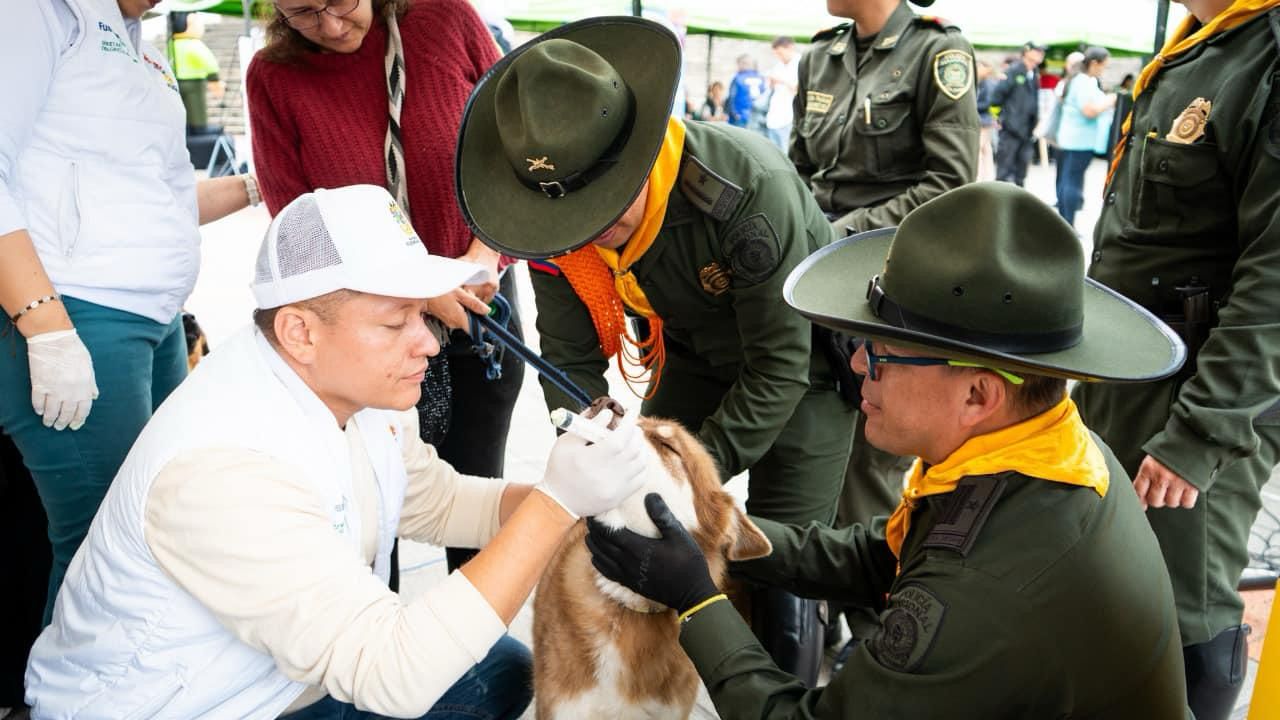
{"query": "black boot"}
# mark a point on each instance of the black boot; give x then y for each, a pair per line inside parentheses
(791, 629)
(1215, 673)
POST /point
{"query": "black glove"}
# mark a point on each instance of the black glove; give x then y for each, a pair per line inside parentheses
(670, 570)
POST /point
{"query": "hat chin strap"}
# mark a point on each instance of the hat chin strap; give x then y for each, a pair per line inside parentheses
(1029, 343)
(556, 189)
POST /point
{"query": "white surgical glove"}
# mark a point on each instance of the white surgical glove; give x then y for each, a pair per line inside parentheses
(62, 383)
(589, 479)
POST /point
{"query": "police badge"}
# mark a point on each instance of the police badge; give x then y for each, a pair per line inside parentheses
(953, 72)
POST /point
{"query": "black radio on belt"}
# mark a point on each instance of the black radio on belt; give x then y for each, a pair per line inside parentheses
(1196, 317)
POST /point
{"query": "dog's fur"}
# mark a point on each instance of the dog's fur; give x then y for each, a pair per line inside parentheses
(601, 651)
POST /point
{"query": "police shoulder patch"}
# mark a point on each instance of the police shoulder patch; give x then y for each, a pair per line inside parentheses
(752, 249)
(908, 628)
(953, 72)
(706, 190)
(964, 511)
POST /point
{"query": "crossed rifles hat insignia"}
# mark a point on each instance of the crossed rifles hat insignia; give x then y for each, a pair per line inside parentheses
(539, 164)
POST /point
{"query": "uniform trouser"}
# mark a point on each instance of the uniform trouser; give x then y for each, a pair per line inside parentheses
(24, 570)
(137, 362)
(1205, 547)
(480, 413)
(1013, 155)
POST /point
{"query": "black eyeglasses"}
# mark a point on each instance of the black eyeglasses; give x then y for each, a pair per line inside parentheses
(310, 19)
(873, 359)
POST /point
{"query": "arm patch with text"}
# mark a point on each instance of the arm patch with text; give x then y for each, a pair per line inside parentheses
(908, 628)
(752, 249)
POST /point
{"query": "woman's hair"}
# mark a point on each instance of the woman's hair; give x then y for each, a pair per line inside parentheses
(1094, 55)
(286, 45)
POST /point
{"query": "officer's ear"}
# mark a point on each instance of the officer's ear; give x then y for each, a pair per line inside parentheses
(987, 396)
(296, 332)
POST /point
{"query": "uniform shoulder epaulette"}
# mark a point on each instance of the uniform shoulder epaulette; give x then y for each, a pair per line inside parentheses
(830, 32)
(935, 22)
(707, 191)
(964, 513)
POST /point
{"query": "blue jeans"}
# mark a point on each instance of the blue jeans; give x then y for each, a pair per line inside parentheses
(499, 687)
(137, 362)
(1072, 165)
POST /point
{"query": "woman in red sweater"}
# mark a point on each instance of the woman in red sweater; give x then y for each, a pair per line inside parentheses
(319, 112)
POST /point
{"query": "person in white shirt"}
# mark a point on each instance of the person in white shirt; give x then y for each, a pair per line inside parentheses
(783, 79)
(238, 566)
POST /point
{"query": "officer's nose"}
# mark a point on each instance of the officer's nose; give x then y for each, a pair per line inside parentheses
(858, 363)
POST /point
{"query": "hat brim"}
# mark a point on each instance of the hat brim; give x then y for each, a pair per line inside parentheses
(1122, 342)
(512, 218)
(422, 276)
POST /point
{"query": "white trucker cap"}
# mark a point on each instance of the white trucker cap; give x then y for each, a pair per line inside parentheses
(350, 238)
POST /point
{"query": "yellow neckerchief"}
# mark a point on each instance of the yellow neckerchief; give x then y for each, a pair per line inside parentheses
(1182, 40)
(1054, 446)
(603, 280)
(662, 178)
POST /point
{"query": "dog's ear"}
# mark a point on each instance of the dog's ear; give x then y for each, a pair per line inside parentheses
(749, 542)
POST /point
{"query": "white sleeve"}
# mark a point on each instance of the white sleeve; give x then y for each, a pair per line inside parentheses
(33, 37)
(247, 537)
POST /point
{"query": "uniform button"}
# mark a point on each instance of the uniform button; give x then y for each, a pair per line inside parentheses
(840, 118)
(884, 96)
(881, 123)
(897, 72)
(1111, 198)
(1163, 166)
(1097, 256)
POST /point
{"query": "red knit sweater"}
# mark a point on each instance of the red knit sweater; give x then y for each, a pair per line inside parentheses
(322, 123)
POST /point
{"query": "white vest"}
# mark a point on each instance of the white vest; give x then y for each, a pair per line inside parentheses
(105, 177)
(128, 642)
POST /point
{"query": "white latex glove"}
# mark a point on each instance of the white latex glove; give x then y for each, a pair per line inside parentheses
(589, 479)
(62, 383)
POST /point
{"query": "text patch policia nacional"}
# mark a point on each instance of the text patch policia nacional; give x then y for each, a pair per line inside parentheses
(953, 72)
(908, 628)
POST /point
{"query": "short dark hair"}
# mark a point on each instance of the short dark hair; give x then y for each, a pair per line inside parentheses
(783, 41)
(1036, 394)
(325, 307)
(287, 46)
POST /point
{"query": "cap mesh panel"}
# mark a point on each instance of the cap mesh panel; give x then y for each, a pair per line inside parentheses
(262, 268)
(303, 244)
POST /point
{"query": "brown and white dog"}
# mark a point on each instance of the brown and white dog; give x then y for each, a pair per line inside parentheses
(600, 650)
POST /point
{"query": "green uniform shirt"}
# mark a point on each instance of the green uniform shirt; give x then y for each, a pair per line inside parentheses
(737, 222)
(1203, 212)
(1017, 598)
(878, 135)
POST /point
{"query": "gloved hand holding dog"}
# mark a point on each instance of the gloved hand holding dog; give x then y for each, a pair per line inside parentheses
(670, 569)
(591, 478)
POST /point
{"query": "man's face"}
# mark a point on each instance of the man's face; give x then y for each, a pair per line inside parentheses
(621, 231)
(372, 352)
(911, 410)
(1033, 58)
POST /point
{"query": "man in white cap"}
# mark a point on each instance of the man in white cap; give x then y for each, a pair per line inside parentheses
(238, 566)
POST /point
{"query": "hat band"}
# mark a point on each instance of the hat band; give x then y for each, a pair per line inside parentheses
(556, 189)
(1012, 343)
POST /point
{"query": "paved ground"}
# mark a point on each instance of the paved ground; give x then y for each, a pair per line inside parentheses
(222, 303)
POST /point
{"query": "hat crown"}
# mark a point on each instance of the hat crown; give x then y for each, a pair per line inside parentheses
(559, 108)
(990, 258)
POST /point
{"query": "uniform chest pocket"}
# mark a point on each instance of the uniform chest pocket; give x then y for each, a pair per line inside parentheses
(1179, 195)
(888, 138)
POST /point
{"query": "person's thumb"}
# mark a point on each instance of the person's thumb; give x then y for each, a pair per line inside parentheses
(661, 515)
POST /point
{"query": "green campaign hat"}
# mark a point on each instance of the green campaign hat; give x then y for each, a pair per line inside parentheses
(985, 273)
(559, 136)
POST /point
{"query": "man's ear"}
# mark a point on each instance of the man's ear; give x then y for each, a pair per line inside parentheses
(295, 333)
(987, 396)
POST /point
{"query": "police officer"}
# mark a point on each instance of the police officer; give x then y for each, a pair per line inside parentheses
(1021, 578)
(1018, 96)
(1190, 229)
(567, 152)
(886, 120)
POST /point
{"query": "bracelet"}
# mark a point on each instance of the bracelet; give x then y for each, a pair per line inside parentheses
(32, 306)
(251, 189)
(684, 616)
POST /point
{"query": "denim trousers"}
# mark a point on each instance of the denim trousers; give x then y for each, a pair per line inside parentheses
(499, 687)
(137, 362)
(1072, 165)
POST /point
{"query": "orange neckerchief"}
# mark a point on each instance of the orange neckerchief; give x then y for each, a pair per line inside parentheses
(1182, 40)
(603, 280)
(1054, 446)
